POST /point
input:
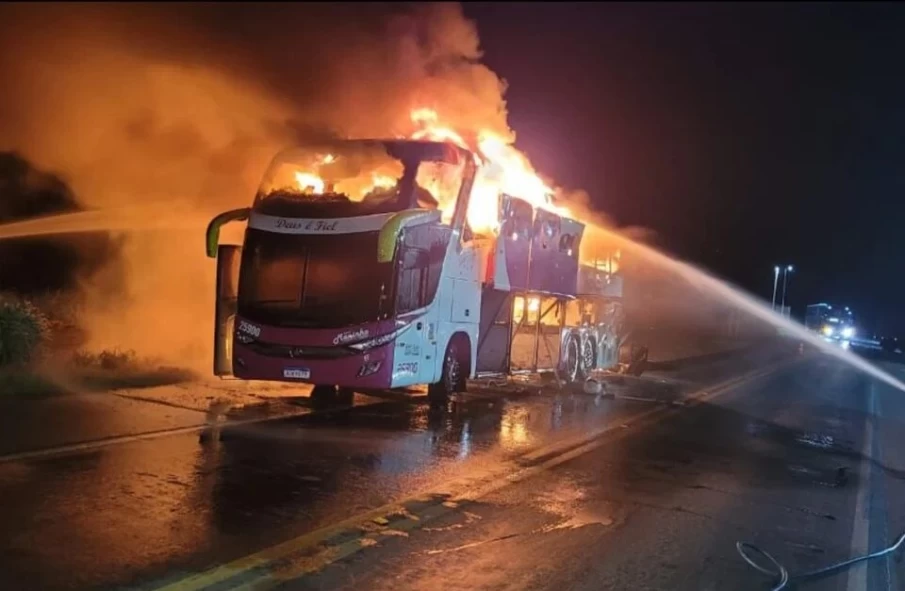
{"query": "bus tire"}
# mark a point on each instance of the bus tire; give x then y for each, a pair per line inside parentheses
(322, 390)
(345, 396)
(455, 371)
(570, 359)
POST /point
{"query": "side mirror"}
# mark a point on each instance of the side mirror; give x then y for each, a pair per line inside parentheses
(213, 228)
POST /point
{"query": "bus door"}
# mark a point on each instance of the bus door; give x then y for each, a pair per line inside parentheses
(228, 258)
(419, 266)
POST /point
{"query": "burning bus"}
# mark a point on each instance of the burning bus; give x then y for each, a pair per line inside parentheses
(365, 266)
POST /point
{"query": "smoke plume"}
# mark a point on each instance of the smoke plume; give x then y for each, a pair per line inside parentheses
(140, 105)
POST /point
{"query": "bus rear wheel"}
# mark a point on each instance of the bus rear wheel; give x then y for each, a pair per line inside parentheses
(588, 357)
(453, 377)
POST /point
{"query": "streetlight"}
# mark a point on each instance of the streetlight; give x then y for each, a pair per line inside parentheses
(785, 279)
(775, 283)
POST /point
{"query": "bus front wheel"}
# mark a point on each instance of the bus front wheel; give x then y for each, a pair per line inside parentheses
(454, 373)
(327, 394)
(323, 393)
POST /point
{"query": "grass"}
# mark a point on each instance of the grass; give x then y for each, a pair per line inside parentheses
(28, 353)
(108, 359)
(116, 369)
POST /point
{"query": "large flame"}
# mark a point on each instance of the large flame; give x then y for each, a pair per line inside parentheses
(502, 170)
(309, 182)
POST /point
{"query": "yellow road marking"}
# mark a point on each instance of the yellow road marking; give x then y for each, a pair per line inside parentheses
(493, 481)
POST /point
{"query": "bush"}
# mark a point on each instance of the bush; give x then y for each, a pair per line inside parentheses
(23, 331)
(107, 359)
(114, 369)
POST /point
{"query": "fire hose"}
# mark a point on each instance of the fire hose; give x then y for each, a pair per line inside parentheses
(781, 573)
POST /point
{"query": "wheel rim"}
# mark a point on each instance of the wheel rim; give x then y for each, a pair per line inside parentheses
(587, 355)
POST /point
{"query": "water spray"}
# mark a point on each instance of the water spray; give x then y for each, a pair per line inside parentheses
(706, 282)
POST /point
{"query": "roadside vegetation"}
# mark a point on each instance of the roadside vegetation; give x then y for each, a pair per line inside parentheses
(115, 369)
(24, 336)
(42, 353)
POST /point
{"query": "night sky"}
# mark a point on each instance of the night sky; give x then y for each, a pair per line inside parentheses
(743, 135)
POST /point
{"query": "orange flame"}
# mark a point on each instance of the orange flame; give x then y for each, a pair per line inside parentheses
(431, 130)
(503, 169)
(309, 183)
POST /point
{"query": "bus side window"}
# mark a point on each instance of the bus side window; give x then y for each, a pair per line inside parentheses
(420, 264)
(517, 220)
(412, 264)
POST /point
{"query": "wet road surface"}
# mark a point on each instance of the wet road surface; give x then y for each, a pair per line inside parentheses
(504, 489)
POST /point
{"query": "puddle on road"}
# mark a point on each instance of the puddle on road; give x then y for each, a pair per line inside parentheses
(577, 521)
(831, 477)
(563, 502)
(566, 502)
(779, 434)
(469, 519)
(817, 440)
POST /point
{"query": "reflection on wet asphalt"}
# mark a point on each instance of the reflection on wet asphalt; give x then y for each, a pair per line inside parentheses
(663, 508)
(147, 512)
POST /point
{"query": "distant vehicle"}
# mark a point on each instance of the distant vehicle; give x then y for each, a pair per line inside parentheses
(360, 269)
(834, 324)
(891, 345)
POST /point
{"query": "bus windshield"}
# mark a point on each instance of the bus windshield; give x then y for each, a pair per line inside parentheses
(353, 178)
(313, 281)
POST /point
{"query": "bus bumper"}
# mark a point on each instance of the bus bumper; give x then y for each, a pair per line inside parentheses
(372, 369)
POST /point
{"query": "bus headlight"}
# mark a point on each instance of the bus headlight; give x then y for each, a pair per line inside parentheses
(848, 332)
(828, 331)
(378, 341)
(369, 368)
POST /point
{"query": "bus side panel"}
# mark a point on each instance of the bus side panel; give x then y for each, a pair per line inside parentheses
(459, 297)
(415, 350)
(465, 314)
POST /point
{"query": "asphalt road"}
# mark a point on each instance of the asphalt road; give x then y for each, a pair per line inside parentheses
(507, 488)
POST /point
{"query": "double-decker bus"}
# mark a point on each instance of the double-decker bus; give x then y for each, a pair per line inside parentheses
(359, 269)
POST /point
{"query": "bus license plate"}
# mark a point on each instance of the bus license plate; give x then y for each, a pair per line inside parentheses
(298, 373)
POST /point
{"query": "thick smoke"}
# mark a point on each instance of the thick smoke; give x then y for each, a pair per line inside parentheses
(140, 105)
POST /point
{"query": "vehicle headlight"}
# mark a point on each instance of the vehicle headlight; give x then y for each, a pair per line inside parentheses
(828, 331)
(848, 332)
(378, 341)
